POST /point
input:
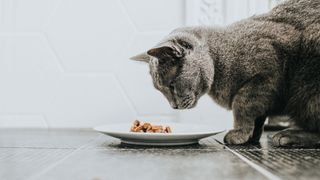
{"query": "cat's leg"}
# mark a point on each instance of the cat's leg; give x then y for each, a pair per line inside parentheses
(247, 132)
(249, 107)
(258, 129)
(303, 108)
(296, 138)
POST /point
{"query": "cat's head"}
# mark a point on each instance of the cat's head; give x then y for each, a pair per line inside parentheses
(181, 68)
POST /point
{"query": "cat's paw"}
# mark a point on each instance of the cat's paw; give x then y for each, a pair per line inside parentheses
(237, 136)
(296, 138)
(286, 138)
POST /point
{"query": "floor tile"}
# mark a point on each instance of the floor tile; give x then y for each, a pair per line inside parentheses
(43, 138)
(24, 163)
(152, 164)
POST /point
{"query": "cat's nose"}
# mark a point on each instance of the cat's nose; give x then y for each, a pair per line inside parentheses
(173, 105)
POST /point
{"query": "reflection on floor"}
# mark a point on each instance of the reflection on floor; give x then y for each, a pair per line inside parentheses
(288, 163)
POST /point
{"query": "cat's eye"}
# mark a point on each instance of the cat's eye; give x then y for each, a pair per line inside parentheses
(185, 44)
(161, 60)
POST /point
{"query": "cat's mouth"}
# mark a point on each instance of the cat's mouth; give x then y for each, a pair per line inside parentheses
(184, 103)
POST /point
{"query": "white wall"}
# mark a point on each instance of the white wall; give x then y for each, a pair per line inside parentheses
(64, 63)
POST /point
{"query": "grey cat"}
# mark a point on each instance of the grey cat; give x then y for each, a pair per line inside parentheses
(260, 67)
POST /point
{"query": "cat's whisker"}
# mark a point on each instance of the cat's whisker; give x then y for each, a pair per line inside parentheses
(190, 104)
(186, 102)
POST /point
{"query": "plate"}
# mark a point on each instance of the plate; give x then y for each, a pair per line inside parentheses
(182, 134)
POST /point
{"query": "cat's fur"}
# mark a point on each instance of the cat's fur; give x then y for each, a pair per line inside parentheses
(262, 66)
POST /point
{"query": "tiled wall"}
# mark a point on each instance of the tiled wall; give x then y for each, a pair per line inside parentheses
(64, 63)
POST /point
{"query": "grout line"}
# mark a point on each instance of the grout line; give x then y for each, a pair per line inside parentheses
(249, 8)
(37, 176)
(125, 95)
(57, 58)
(45, 120)
(44, 26)
(14, 15)
(130, 20)
(261, 170)
(2, 15)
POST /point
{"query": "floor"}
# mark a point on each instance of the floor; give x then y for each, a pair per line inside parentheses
(84, 154)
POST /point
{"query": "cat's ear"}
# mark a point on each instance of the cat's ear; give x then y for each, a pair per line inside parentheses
(164, 51)
(144, 57)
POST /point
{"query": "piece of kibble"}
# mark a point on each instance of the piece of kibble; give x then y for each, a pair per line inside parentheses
(146, 125)
(136, 123)
(149, 128)
(168, 129)
(156, 127)
(157, 131)
(138, 129)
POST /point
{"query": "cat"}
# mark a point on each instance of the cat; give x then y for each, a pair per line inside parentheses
(259, 67)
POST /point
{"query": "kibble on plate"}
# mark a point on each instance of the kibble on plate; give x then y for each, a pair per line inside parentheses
(137, 126)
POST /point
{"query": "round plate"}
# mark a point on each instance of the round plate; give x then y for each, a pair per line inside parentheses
(182, 134)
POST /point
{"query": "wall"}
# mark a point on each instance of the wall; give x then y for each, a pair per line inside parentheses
(64, 63)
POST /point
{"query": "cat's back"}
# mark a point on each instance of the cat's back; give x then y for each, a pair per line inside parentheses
(297, 13)
(293, 28)
(303, 15)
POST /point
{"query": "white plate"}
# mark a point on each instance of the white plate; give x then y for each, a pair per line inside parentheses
(182, 134)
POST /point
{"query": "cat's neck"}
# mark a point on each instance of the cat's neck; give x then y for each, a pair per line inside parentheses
(216, 42)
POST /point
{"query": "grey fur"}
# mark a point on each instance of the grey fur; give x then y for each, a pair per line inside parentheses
(262, 66)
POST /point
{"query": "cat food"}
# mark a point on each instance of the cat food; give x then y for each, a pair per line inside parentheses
(137, 126)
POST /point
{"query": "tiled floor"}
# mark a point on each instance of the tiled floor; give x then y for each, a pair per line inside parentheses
(83, 154)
